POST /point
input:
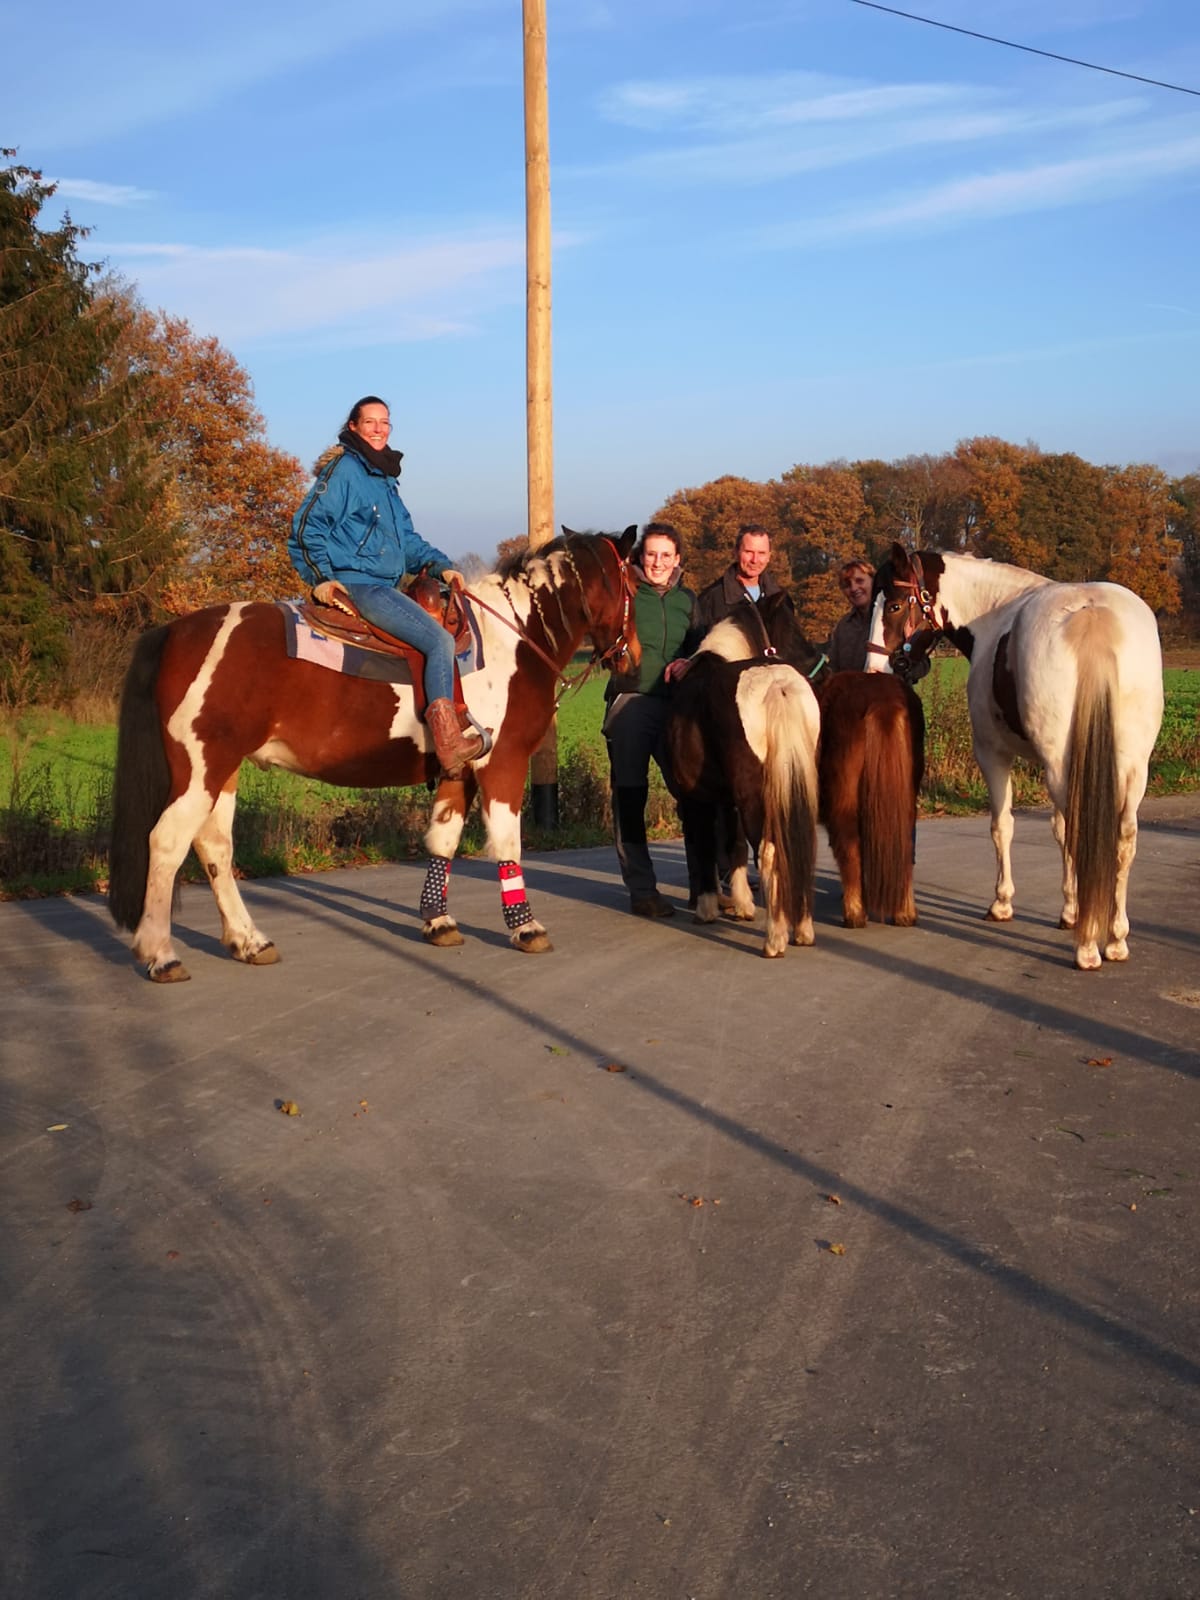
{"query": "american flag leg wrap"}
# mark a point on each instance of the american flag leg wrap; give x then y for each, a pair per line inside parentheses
(512, 895)
(437, 887)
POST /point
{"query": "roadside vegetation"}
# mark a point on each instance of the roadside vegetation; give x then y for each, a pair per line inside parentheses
(55, 801)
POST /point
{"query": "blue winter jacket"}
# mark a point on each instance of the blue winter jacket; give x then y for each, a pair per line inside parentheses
(353, 526)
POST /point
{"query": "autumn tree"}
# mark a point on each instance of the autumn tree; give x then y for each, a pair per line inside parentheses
(823, 512)
(228, 493)
(992, 469)
(708, 518)
(921, 501)
(1060, 520)
(1141, 550)
(1185, 527)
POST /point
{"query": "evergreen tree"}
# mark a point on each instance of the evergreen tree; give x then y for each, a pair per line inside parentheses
(77, 472)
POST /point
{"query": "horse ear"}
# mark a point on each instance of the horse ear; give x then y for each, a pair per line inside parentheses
(628, 539)
(568, 533)
(899, 556)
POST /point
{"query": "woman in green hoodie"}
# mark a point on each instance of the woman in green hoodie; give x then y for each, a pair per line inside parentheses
(635, 719)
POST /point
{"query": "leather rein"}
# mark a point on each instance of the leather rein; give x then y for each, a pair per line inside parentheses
(606, 658)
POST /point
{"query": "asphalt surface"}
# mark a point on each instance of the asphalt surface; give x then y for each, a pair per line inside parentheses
(872, 1273)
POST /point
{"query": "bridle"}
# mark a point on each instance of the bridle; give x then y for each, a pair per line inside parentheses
(919, 600)
(771, 652)
(616, 652)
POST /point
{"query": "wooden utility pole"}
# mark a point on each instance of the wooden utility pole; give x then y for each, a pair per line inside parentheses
(539, 420)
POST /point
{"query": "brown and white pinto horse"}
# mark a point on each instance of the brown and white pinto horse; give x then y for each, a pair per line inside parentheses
(869, 768)
(208, 691)
(742, 734)
(1068, 674)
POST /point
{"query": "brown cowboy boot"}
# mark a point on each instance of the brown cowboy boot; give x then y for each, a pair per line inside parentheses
(454, 746)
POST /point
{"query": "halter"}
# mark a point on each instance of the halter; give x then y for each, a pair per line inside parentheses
(616, 651)
(920, 598)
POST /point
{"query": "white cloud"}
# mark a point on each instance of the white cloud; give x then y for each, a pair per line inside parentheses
(1039, 188)
(100, 194)
(248, 295)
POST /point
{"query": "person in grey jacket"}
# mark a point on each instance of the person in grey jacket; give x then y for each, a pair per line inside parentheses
(353, 536)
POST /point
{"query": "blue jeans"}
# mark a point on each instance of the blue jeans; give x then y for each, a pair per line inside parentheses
(396, 614)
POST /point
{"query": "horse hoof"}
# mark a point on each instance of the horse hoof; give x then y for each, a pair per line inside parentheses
(266, 957)
(444, 935)
(172, 972)
(1118, 950)
(1066, 924)
(1087, 958)
(772, 955)
(852, 920)
(906, 919)
(998, 914)
(533, 943)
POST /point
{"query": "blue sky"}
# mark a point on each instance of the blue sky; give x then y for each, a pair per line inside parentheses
(785, 230)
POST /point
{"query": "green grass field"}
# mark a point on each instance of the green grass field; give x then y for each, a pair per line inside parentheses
(56, 791)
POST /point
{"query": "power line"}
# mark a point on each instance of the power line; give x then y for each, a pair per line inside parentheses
(910, 16)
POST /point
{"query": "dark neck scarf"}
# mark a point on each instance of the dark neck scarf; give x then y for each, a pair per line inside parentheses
(386, 460)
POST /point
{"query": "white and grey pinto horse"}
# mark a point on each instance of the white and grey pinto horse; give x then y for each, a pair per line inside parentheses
(1069, 674)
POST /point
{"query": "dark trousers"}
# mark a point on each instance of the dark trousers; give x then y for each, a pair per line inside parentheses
(635, 731)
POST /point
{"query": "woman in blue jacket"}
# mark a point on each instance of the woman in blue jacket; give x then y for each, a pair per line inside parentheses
(353, 535)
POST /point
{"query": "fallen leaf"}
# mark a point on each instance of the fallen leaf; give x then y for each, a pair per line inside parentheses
(289, 1108)
(1133, 1205)
(79, 1205)
(57, 1127)
(1075, 1134)
(558, 1050)
(364, 1105)
(613, 1066)
(834, 1199)
(172, 1255)
(1099, 1061)
(837, 1249)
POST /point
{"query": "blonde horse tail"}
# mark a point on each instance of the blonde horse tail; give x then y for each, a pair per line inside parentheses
(1093, 800)
(790, 794)
(142, 782)
(887, 812)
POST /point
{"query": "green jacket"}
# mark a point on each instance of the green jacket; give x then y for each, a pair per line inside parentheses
(664, 623)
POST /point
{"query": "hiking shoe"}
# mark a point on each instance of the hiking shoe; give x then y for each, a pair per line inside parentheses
(651, 905)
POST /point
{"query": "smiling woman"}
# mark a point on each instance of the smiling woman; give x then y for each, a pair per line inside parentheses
(353, 541)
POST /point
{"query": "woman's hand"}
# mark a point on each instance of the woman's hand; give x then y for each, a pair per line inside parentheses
(454, 578)
(332, 593)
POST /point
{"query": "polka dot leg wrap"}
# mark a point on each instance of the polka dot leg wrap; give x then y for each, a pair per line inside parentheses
(512, 896)
(437, 887)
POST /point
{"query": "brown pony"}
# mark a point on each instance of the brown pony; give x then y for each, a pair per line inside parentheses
(208, 691)
(870, 766)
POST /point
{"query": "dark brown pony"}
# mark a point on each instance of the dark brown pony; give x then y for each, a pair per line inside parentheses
(742, 734)
(870, 766)
(208, 691)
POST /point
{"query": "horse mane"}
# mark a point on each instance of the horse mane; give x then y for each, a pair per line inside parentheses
(735, 638)
(521, 563)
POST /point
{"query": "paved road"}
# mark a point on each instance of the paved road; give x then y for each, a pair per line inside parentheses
(490, 1320)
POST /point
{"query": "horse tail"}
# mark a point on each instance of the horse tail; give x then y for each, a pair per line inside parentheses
(142, 782)
(887, 811)
(1093, 801)
(790, 791)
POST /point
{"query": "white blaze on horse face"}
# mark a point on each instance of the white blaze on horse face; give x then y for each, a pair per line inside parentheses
(875, 661)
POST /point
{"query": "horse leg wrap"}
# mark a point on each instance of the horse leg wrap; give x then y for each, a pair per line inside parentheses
(436, 888)
(512, 896)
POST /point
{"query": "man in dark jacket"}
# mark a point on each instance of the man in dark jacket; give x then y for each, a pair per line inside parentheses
(746, 578)
(636, 714)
